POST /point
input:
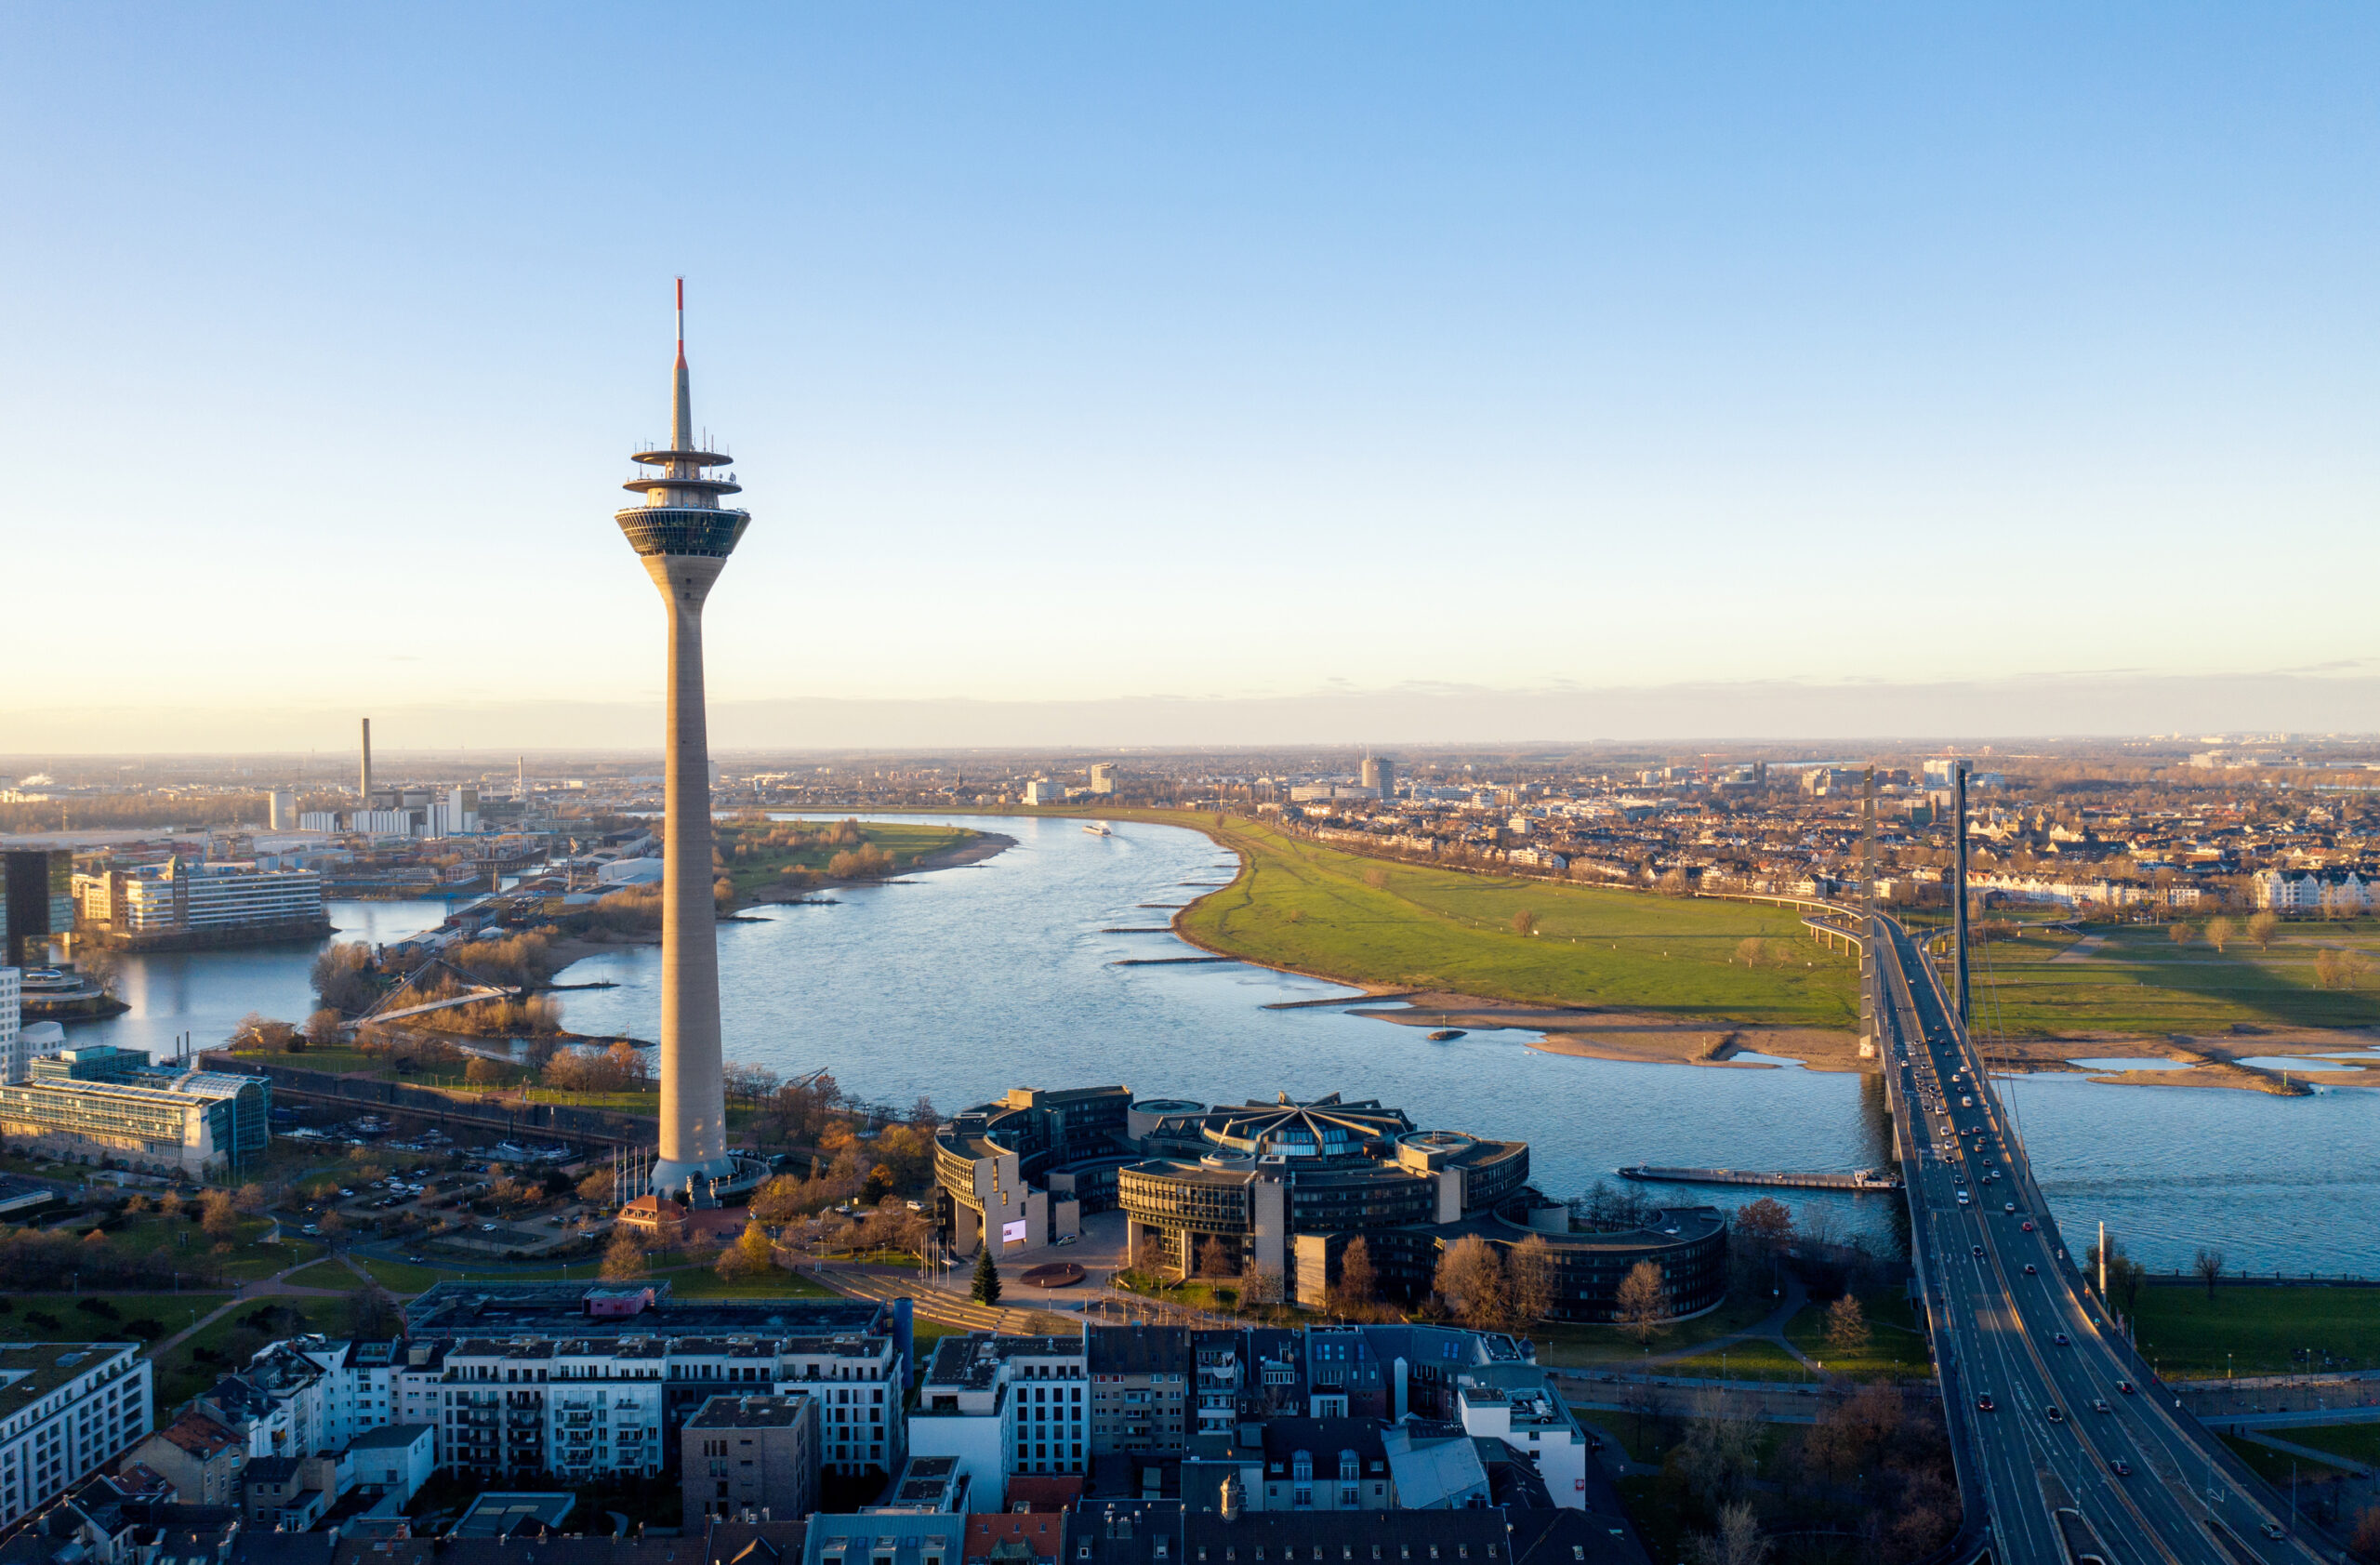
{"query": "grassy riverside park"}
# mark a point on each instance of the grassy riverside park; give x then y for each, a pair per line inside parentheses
(2187, 1336)
(754, 863)
(2137, 980)
(1317, 910)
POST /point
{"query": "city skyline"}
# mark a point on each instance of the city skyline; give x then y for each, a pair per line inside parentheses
(1216, 379)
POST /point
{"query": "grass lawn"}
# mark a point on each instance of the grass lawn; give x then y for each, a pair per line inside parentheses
(1755, 1360)
(248, 1261)
(2139, 980)
(83, 1316)
(1611, 1346)
(181, 1374)
(2187, 1336)
(1896, 1347)
(1317, 910)
(2273, 1466)
(2358, 1442)
(336, 1061)
(765, 864)
(326, 1274)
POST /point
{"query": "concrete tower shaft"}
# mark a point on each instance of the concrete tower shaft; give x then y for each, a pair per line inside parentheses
(684, 536)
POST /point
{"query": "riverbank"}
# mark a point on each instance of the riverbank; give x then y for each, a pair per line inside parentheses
(975, 847)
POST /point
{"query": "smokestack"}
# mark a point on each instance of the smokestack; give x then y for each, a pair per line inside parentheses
(363, 787)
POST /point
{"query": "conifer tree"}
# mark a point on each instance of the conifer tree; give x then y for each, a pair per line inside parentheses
(988, 1278)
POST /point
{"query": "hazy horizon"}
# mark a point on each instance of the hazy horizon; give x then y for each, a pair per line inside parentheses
(1368, 371)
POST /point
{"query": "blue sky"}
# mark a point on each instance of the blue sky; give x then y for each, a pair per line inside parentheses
(1086, 355)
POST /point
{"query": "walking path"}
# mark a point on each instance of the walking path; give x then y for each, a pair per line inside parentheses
(2304, 1452)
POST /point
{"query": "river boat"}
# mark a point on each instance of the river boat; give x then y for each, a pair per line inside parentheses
(1098, 829)
(1446, 1035)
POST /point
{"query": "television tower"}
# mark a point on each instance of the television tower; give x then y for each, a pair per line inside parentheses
(684, 536)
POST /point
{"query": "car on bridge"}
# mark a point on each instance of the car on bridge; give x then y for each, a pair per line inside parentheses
(1978, 1252)
(2051, 1413)
(2119, 1467)
(2029, 1269)
(2012, 1209)
(1984, 1403)
(2063, 1340)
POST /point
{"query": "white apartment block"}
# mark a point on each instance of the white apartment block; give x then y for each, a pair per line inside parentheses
(1005, 1404)
(2282, 891)
(66, 1409)
(581, 1409)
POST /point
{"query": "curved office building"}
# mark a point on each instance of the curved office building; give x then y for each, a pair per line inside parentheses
(1286, 1187)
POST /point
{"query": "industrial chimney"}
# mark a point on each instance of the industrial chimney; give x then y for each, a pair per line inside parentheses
(363, 786)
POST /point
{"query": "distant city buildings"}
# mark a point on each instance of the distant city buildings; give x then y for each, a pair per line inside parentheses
(180, 905)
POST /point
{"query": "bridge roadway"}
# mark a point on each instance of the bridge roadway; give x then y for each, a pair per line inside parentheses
(2002, 1296)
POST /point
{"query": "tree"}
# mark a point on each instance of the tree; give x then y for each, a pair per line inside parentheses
(1765, 1221)
(985, 1289)
(216, 1218)
(2366, 1543)
(372, 1313)
(1737, 1542)
(751, 1254)
(1536, 1281)
(1525, 922)
(1846, 1326)
(483, 1071)
(322, 1028)
(249, 1199)
(2125, 1276)
(1215, 1261)
(598, 1187)
(2178, 931)
(779, 1200)
(1471, 1282)
(624, 1257)
(1358, 1285)
(1751, 952)
(333, 1227)
(1265, 1287)
(2262, 927)
(2219, 934)
(1637, 1303)
(2208, 1265)
(1720, 1455)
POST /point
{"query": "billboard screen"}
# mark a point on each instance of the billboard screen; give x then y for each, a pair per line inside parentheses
(1012, 1233)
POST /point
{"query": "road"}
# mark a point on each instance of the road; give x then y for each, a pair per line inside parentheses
(2012, 1325)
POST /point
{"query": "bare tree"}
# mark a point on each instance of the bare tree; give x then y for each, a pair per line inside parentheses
(1737, 1542)
(624, 1257)
(1357, 1282)
(2262, 927)
(2208, 1265)
(1471, 1279)
(1721, 1453)
(1638, 1305)
(2219, 934)
(1535, 1279)
(1525, 922)
(1846, 1326)
(2178, 931)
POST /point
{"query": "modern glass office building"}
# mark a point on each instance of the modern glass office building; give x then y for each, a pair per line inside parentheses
(86, 1105)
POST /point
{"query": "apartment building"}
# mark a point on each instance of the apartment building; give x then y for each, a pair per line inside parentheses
(1141, 1388)
(66, 1408)
(1002, 1405)
(750, 1456)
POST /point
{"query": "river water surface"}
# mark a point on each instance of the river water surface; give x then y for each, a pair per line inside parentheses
(962, 983)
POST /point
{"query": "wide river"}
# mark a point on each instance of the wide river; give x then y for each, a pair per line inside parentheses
(962, 983)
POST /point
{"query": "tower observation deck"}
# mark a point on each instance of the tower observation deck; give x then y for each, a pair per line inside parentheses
(683, 535)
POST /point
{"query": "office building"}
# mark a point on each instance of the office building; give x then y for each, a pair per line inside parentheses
(1378, 774)
(683, 536)
(750, 1456)
(84, 1105)
(66, 1408)
(281, 807)
(38, 904)
(181, 906)
(1103, 778)
(12, 1022)
(1283, 1189)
